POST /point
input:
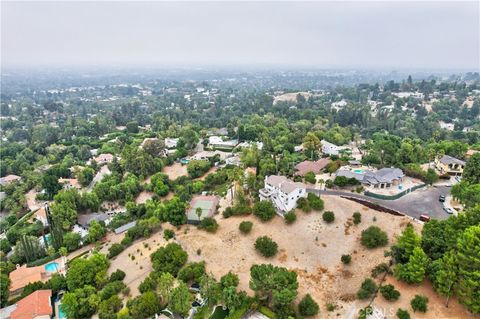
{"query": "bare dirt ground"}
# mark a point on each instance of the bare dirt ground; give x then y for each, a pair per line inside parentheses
(309, 247)
(143, 197)
(175, 170)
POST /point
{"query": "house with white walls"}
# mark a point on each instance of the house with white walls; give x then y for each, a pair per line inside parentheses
(282, 192)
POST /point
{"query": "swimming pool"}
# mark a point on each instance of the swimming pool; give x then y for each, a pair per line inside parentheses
(52, 267)
(358, 171)
(61, 314)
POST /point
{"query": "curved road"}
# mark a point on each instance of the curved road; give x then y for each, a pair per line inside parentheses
(422, 201)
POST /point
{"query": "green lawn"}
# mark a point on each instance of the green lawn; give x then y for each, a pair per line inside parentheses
(219, 313)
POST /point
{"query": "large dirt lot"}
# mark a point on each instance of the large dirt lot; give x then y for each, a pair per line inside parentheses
(309, 246)
(175, 170)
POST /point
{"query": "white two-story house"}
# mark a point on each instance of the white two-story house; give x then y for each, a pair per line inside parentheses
(282, 192)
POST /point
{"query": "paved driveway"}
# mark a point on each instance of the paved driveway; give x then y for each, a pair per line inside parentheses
(422, 201)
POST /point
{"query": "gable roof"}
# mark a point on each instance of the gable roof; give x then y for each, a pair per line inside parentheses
(34, 305)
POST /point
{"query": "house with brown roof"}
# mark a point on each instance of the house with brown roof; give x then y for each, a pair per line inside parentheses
(311, 166)
(24, 275)
(103, 159)
(37, 305)
(41, 215)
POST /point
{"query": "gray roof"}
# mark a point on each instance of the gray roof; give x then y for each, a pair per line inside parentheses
(447, 160)
(350, 174)
(86, 219)
(384, 175)
(125, 227)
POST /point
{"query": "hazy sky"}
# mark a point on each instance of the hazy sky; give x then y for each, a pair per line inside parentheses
(319, 34)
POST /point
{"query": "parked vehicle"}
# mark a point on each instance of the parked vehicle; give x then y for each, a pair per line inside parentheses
(441, 198)
(448, 210)
(424, 218)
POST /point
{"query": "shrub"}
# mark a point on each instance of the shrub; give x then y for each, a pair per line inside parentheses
(373, 237)
(266, 246)
(245, 227)
(115, 250)
(380, 269)
(117, 275)
(402, 314)
(264, 210)
(346, 259)
(357, 218)
(168, 234)
(389, 292)
(315, 202)
(209, 224)
(304, 205)
(307, 306)
(328, 216)
(367, 289)
(310, 178)
(290, 217)
(331, 307)
(419, 303)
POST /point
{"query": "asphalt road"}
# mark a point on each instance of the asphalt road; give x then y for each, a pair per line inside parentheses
(422, 201)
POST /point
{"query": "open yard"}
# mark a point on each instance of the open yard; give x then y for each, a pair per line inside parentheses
(309, 246)
(175, 170)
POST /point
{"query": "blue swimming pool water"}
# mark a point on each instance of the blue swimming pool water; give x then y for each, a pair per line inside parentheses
(52, 267)
(358, 171)
(61, 314)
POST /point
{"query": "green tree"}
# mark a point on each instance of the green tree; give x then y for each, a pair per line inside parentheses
(91, 271)
(419, 303)
(431, 177)
(389, 292)
(245, 227)
(310, 177)
(169, 258)
(346, 259)
(307, 306)
(274, 286)
(367, 289)
(81, 302)
(468, 284)
(165, 284)
(71, 241)
(312, 144)
(471, 173)
(192, 272)
(95, 231)
(328, 216)
(414, 270)
(357, 218)
(4, 289)
(406, 243)
(446, 276)
(266, 246)
(290, 217)
(210, 289)
(373, 237)
(402, 314)
(109, 308)
(180, 300)
(144, 306)
(85, 176)
(264, 210)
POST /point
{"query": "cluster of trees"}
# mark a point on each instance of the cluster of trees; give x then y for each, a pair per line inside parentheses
(468, 190)
(445, 253)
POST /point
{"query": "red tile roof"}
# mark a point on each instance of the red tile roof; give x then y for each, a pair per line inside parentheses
(36, 304)
(24, 275)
